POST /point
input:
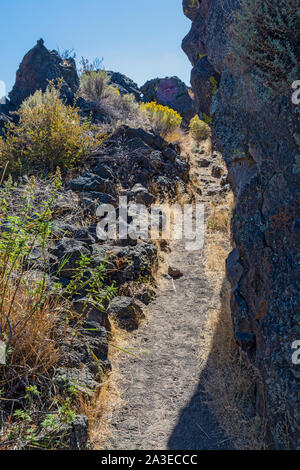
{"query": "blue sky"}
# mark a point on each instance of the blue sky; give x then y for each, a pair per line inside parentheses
(140, 38)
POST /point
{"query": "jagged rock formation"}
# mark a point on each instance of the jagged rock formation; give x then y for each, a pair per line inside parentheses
(124, 84)
(171, 92)
(258, 140)
(38, 67)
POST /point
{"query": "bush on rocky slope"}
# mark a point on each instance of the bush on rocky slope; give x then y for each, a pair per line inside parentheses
(199, 130)
(265, 37)
(48, 134)
(117, 107)
(161, 118)
(94, 85)
(38, 323)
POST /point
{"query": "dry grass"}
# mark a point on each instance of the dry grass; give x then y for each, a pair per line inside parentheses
(231, 380)
(32, 349)
(220, 216)
(108, 400)
(28, 327)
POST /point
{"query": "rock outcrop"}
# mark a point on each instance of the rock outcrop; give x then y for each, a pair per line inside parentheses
(38, 67)
(4, 120)
(258, 138)
(124, 84)
(171, 92)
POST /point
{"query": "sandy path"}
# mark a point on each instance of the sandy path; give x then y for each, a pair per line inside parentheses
(164, 403)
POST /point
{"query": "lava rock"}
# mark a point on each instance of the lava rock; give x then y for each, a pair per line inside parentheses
(91, 182)
(124, 84)
(126, 311)
(70, 251)
(170, 154)
(174, 272)
(90, 311)
(216, 171)
(104, 171)
(142, 195)
(203, 162)
(38, 67)
(233, 268)
(171, 92)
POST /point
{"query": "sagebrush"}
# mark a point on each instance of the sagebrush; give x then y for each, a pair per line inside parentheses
(49, 134)
(94, 85)
(199, 129)
(119, 108)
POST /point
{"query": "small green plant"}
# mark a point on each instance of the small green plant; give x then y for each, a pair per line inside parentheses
(161, 118)
(214, 84)
(199, 129)
(51, 421)
(31, 392)
(48, 134)
(92, 282)
(66, 413)
(22, 415)
(207, 119)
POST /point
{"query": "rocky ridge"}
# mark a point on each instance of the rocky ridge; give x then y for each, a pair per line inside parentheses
(171, 92)
(258, 138)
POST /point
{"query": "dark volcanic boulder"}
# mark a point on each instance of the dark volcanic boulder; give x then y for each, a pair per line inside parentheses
(91, 182)
(126, 311)
(69, 251)
(205, 82)
(136, 156)
(38, 67)
(124, 84)
(171, 92)
(259, 138)
(190, 8)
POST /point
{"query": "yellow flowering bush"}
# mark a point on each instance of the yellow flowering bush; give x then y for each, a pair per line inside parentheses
(49, 134)
(161, 118)
(199, 130)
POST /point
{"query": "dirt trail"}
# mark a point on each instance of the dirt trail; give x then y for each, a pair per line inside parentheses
(164, 403)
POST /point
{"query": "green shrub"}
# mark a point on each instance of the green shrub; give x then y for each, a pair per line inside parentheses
(122, 109)
(264, 36)
(162, 119)
(94, 85)
(199, 130)
(49, 135)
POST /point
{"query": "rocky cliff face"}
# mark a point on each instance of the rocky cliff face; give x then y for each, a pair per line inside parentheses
(258, 137)
(171, 92)
(38, 67)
